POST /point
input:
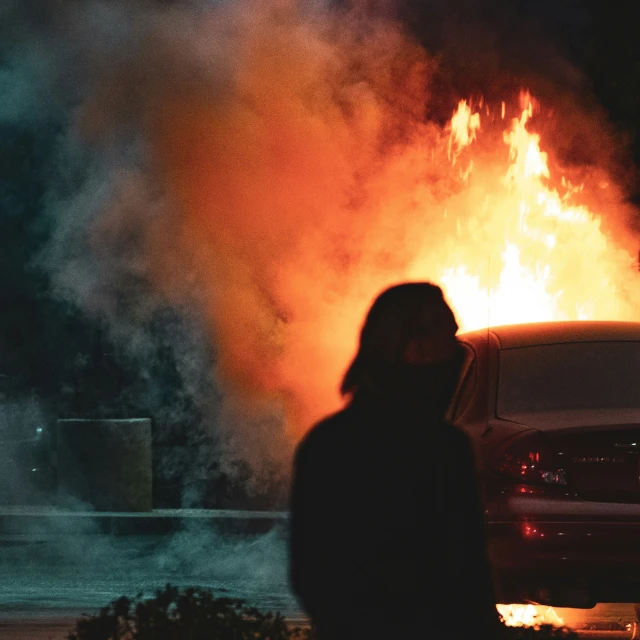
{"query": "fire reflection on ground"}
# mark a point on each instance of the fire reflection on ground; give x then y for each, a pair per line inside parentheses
(604, 618)
(529, 615)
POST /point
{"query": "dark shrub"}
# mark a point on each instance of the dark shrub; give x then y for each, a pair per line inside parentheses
(195, 614)
(192, 614)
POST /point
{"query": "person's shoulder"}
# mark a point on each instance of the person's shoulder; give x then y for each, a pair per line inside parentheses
(327, 430)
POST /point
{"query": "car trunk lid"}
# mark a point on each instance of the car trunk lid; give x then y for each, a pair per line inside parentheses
(601, 464)
(598, 450)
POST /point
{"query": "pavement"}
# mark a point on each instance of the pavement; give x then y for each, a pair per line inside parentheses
(57, 564)
(45, 628)
(35, 629)
(46, 522)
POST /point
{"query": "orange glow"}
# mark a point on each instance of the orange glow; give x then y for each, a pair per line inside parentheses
(521, 615)
(464, 126)
(547, 242)
(304, 176)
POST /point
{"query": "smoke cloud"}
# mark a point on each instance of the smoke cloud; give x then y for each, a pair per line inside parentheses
(263, 170)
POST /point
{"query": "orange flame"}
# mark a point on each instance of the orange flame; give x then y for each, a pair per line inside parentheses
(556, 263)
(520, 615)
(304, 177)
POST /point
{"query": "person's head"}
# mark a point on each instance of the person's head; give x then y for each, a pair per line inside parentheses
(408, 338)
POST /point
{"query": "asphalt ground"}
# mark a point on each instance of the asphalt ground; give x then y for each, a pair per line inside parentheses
(45, 628)
(56, 566)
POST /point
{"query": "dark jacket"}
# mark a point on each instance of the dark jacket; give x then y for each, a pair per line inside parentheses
(386, 526)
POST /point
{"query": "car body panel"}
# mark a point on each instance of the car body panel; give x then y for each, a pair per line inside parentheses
(540, 333)
(552, 420)
(571, 545)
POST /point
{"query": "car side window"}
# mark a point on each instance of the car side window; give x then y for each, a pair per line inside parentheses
(464, 392)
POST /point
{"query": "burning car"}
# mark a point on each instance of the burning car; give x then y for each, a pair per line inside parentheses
(553, 412)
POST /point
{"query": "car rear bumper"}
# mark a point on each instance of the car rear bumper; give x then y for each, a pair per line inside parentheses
(594, 547)
(557, 546)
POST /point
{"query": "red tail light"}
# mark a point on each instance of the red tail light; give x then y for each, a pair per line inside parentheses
(529, 459)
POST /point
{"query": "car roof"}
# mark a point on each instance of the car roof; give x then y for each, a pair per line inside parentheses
(539, 333)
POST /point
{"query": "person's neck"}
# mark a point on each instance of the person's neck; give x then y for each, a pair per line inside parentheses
(399, 405)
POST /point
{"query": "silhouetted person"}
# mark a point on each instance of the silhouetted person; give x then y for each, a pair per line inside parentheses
(386, 525)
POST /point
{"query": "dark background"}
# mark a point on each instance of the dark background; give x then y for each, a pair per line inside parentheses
(50, 347)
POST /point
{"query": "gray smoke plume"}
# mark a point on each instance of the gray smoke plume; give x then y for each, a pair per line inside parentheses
(218, 173)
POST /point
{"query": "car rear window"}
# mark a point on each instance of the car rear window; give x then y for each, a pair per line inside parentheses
(582, 375)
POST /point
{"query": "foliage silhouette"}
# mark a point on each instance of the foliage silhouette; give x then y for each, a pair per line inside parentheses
(196, 614)
(190, 614)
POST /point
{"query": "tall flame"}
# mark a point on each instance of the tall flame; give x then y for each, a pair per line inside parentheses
(556, 263)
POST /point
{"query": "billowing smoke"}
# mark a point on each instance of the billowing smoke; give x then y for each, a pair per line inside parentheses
(259, 171)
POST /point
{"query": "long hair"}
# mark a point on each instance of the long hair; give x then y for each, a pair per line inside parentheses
(399, 314)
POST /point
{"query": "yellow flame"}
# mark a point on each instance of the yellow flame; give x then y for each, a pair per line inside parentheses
(520, 615)
(556, 263)
(464, 126)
